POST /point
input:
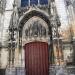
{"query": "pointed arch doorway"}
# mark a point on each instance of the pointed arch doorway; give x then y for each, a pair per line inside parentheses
(36, 58)
(35, 37)
(35, 42)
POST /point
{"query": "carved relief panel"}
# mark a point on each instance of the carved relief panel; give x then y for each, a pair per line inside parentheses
(35, 29)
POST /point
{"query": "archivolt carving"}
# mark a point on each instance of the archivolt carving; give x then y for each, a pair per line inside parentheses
(35, 29)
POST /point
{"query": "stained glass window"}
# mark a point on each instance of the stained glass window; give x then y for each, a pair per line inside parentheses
(24, 3)
(43, 2)
(32, 2)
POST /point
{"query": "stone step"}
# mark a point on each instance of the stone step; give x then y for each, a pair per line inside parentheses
(15, 71)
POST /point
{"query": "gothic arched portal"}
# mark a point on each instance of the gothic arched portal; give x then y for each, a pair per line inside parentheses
(35, 29)
(35, 32)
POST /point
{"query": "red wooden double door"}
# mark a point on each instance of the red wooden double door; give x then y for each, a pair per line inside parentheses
(36, 58)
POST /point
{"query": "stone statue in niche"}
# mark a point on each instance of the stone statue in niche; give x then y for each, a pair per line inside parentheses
(26, 33)
(43, 31)
(35, 29)
(40, 30)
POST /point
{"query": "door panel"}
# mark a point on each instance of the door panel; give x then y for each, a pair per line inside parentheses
(36, 58)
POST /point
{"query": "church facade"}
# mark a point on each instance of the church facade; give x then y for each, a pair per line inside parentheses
(34, 43)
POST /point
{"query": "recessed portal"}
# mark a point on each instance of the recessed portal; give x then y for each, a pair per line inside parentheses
(36, 58)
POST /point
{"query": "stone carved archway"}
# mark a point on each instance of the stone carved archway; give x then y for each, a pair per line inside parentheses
(28, 30)
(39, 15)
(35, 29)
